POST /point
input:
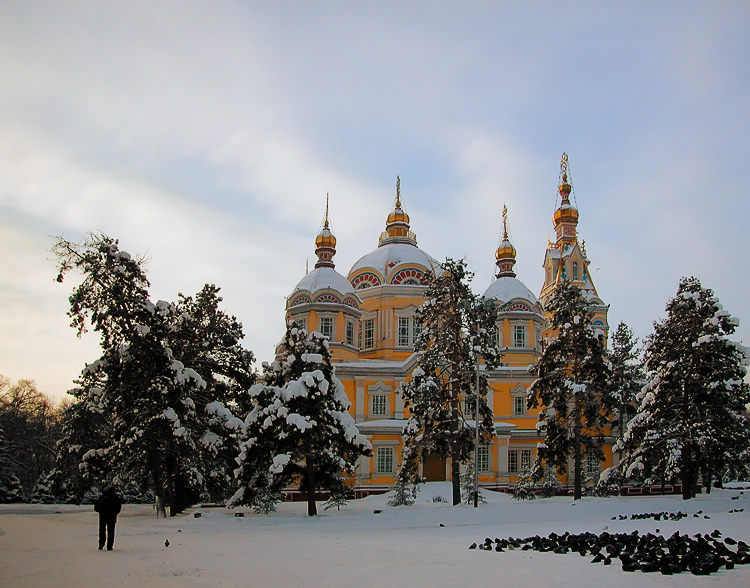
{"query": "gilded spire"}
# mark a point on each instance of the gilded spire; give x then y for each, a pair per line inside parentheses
(397, 223)
(506, 253)
(325, 244)
(505, 222)
(564, 189)
(566, 216)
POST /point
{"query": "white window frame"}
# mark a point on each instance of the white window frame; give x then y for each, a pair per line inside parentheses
(525, 459)
(379, 405)
(350, 334)
(513, 461)
(524, 331)
(368, 336)
(519, 405)
(331, 322)
(384, 460)
(483, 459)
(407, 328)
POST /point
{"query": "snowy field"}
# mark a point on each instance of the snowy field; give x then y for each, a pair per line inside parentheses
(43, 545)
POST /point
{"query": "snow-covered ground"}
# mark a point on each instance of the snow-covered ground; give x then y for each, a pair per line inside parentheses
(44, 545)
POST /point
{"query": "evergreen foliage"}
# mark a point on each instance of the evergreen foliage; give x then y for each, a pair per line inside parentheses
(402, 494)
(42, 492)
(161, 365)
(299, 427)
(526, 488)
(691, 419)
(467, 486)
(626, 374)
(572, 387)
(456, 331)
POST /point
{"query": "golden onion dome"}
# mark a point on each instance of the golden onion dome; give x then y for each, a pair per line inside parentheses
(564, 187)
(505, 251)
(397, 216)
(325, 238)
(567, 213)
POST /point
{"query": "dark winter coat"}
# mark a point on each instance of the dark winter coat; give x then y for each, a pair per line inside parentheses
(109, 505)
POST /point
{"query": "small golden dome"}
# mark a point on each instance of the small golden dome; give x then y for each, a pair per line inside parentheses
(564, 189)
(505, 251)
(397, 216)
(566, 214)
(325, 238)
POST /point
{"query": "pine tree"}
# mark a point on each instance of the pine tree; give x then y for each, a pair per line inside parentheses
(626, 374)
(456, 330)
(146, 393)
(468, 493)
(402, 494)
(42, 492)
(571, 388)
(690, 418)
(299, 427)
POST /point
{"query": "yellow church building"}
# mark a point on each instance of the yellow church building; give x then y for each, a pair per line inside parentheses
(369, 317)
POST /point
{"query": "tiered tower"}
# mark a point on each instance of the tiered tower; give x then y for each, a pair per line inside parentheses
(565, 259)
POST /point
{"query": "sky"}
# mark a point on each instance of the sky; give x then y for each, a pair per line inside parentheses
(206, 136)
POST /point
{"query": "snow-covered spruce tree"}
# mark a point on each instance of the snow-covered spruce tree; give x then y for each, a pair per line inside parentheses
(299, 428)
(571, 388)
(456, 329)
(467, 487)
(690, 420)
(402, 494)
(207, 339)
(627, 374)
(152, 401)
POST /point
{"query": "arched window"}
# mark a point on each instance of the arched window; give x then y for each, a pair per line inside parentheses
(574, 271)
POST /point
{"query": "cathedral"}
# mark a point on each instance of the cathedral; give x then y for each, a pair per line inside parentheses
(369, 317)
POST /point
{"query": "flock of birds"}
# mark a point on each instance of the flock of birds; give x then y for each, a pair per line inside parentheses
(648, 552)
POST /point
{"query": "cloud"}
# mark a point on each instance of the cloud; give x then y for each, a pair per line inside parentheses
(208, 137)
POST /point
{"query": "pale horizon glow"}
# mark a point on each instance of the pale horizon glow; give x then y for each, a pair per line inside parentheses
(206, 136)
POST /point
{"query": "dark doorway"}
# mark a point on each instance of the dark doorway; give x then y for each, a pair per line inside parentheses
(434, 468)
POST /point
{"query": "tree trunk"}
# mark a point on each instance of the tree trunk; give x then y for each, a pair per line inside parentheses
(312, 509)
(161, 509)
(687, 474)
(577, 457)
(456, 481)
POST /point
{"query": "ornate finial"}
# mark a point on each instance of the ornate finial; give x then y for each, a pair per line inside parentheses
(506, 253)
(505, 222)
(325, 243)
(398, 192)
(565, 188)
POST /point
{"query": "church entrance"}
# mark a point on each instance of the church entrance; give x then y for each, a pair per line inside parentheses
(433, 468)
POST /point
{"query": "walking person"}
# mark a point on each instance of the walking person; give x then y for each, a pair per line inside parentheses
(108, 506)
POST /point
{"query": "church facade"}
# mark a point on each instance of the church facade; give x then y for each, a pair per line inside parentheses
(369, 316)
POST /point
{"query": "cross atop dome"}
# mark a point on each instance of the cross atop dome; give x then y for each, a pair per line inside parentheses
(397, 223)
(325, 244)
(506, 253)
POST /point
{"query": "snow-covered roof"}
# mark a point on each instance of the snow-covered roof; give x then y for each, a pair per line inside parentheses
(323, 278)
(506, 289)
(387, 258)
